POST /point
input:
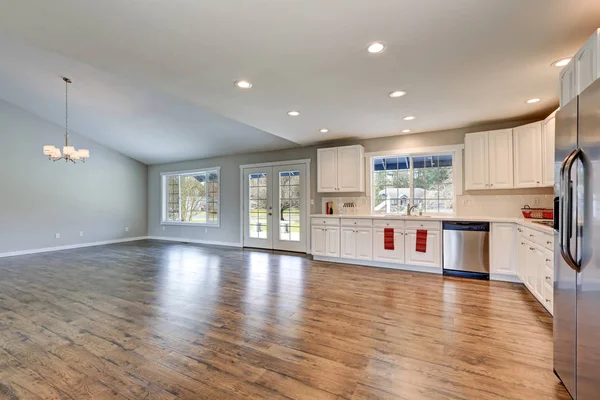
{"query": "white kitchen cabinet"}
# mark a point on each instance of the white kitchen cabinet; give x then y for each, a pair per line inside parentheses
(325, 240)
(500, 145)
(539, 273)
(431, 258)
(327, 166)
(383, 255)
(318, 241)
(503, 249)
(567, 84)
(586, 62)
(489, 160)
(476, 161)
(528, 155)
(522, 250)
(548, 134)
(341, 169)
(356, 243)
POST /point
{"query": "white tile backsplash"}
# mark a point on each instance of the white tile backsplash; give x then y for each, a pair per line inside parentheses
(467, 205)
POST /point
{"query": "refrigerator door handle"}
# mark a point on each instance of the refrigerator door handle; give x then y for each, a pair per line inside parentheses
(567, 218)
(561, 204)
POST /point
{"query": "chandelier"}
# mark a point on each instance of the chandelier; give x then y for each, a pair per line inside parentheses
(68, 152)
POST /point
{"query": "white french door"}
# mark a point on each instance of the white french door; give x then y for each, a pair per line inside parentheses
(275, 207)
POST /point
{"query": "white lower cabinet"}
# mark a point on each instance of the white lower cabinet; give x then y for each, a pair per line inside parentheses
(536, 265)
(325, 240)
(357, 243)
(383, 255)
(431, 258)
(318, 240)
(503, 248)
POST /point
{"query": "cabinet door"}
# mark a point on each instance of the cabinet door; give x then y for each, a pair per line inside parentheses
(528, 155)
(522, 251)
(364, 243)
(530, 267)
(503, 249)
(539, 274)
(327, 164)
(548, 132)
(500, 145)
(476, 161)
(431, 258)
(567, 84)
(383, 255)
(586, 63)
(351, 169)
(318, 241)
(348, 244)
(332, 240)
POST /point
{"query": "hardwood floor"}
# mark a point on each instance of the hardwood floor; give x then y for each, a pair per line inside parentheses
(156, 320)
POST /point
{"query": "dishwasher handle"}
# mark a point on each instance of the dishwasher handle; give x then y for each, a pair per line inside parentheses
(466, 226)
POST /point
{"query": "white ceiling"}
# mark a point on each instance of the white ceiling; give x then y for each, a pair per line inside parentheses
(463, 62)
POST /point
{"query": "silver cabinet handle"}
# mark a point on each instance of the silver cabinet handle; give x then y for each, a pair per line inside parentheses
(548, 260)
(548, 242)
(548, 278)
(530, 235)
(532, 248)
(547, 301)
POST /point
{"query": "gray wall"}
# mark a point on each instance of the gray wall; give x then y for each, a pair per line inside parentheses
(229, 231)
(39, 198)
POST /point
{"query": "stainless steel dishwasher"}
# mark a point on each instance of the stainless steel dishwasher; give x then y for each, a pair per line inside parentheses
(467, 249)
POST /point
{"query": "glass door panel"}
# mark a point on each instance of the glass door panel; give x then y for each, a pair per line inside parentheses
(291, 207)
(258, 208)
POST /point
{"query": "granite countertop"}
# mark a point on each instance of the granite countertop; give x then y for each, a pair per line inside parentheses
(517, 220)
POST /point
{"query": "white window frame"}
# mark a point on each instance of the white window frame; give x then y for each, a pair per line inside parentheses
(165, 194)
(457, 168)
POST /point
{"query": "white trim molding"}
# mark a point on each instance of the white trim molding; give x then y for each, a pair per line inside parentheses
(70, 247)
(195, 241)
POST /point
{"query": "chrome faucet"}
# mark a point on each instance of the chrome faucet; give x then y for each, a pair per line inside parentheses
(410, 208)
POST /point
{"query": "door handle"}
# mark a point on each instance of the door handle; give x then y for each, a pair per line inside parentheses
(567, 217)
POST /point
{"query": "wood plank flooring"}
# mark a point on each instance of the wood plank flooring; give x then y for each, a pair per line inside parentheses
(156, 320)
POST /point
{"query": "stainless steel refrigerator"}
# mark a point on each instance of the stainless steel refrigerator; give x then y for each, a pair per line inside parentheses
(577, 245)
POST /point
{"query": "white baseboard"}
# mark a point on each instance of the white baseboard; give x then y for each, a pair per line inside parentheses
(505, 278)
(367, 263)
(70, 247)
(197, 241)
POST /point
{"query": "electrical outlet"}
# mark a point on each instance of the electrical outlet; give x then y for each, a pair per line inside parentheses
(466, 202)
(126, 229)
(205, 230)
(164, 228)
(57, 236)
(536, 201)
(81, 233)
(312, 202)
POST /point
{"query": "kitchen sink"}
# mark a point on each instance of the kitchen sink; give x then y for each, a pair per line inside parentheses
(408, 216)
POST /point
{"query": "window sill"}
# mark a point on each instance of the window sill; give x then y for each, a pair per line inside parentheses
(197, 224)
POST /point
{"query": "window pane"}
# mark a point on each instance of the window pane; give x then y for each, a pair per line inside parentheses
(391, 184)
(432, 181)
(289, 206)
(193, 198)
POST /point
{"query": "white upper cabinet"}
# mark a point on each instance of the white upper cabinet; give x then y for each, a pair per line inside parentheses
(341, 169)
(548, 167)
(500, 145)
(528, 155)
(489, 160)
(586, 62)
(503, 249)
(476, 161)
(327, 162)
(567, 84)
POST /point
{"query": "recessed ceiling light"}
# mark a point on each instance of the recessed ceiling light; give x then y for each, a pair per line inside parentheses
(397, 93)
(406, 131)
(243, 84)
(293, 113)
(531, 101)
(324, 130)
(561, 63)
(409, 118)
(376, 47)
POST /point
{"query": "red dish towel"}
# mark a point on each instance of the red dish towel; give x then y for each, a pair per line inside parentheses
(421, 246)
(388, 238)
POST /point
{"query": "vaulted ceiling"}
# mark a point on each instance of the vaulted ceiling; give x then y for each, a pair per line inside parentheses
(154, 79)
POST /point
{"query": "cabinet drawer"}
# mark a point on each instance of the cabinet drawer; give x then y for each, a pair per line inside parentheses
(388, 223)
(545, 240)
(325, 221)
(548, 298)
(357, 222)
(429, 225)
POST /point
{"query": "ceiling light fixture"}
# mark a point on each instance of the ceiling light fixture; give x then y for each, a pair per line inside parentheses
(409, 118)
(69, 153)
(561, 63)
(324, 130)
(532, 101)
(376, 47)
(243, 84)
(397, 93)
(406, 131)
(293, 113)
